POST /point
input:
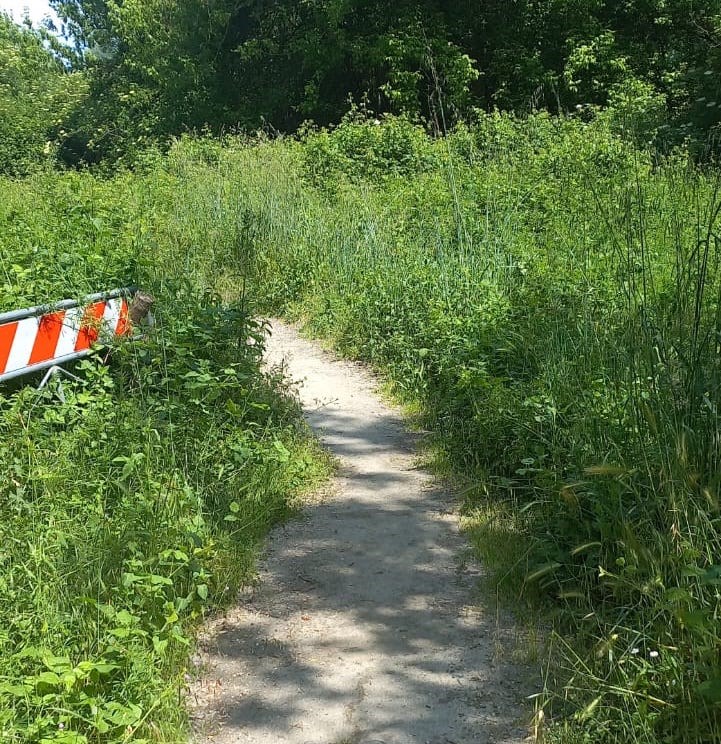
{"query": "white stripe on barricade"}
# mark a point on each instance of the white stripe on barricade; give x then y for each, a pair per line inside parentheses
(38, 338)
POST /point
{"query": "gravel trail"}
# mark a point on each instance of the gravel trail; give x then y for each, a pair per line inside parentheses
(364, 627)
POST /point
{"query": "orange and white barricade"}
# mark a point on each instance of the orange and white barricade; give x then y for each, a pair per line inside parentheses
(43, 337)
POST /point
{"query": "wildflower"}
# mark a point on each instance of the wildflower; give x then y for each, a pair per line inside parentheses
(653, 654)
(634, 651)
(61, 726)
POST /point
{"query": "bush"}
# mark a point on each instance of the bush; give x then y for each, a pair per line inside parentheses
(362, 146)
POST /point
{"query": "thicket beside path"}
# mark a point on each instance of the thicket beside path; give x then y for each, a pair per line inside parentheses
(364, 627)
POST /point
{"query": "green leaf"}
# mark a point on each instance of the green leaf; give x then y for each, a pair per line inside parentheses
(16, 690)
(120, 632)
(104, 668)
(46, 678)
(122, 715)
(677, 594)
(57, 663)
(284, 454)
(158, 580)
(31, 652)
(694, 620)
(65, 737)
(125, 618)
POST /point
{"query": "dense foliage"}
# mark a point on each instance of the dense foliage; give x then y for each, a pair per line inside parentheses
(547, 296)
(134, 506)
(37, 95)
(155, 68)
(543, 287)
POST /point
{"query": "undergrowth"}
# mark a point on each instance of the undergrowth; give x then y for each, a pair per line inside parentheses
(134, 507)
(547, 295)
(543, 293)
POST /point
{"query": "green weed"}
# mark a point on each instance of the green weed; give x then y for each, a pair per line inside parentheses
(543, 294)
(136, 506)
(547, 295)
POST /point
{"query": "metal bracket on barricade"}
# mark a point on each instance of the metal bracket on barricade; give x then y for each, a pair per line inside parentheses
(47, 336)
(52, 373)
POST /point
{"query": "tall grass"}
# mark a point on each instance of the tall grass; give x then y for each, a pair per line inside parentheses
(136, 506)
(545, 294)
(548, 296)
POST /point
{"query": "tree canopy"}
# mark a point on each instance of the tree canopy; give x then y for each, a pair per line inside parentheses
(37, 93)
(156, 68)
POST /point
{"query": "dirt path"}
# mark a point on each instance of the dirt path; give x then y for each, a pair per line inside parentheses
(363, 629)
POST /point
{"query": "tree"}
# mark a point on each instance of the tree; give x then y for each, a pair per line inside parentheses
(36, 94)
(160, 67)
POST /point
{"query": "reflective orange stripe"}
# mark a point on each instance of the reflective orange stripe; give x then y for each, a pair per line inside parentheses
(7, 335)
(47, 337)
(90, 326)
